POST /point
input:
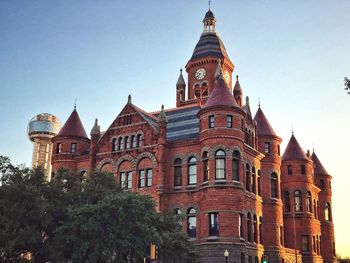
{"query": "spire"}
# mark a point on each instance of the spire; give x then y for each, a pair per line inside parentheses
(129, 99)
(209, 21)
(162, 116)
(318, 167)
(96, 128)
(237, 90)
(294, 151)
(73, 126)
(218, 72)
(220, 96)
(180, 81)
(263, 125)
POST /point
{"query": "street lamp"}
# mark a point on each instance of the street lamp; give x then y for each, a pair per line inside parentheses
(226, 254)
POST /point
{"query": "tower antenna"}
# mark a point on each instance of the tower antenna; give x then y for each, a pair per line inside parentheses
(209, 4)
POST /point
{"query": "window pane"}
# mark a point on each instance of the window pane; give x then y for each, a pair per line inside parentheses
(213, 224)
(149, 177)
(220, 168)
(142, 178)
(192, 173)
(235, 167)
(192, 224)
(129, 180)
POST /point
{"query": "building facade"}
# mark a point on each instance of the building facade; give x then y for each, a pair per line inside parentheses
(210, 160)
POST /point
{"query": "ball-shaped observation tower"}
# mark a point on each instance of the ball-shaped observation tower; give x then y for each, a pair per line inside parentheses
(40, 130)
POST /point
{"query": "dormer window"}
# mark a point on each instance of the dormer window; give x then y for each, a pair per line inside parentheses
(211, 122)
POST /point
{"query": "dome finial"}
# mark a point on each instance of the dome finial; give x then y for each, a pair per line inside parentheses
(292, 130)
(259, 102)
(209, 5)
(75, 104)
(209, 21)
(129, 99)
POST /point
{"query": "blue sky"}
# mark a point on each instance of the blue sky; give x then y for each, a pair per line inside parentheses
(294, 55)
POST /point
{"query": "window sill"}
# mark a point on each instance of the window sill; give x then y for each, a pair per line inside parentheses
(192, 186)
(213, 238)
(220, 181)
(177, 188)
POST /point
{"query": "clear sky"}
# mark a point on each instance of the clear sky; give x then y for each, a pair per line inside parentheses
(294, 55)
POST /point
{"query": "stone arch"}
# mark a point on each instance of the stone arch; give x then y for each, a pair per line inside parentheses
(105, 161)
(205, 149)
(177, 156)
(190, 154)
(238, 149)
(122, 159)
(146, 155)
(219, 147)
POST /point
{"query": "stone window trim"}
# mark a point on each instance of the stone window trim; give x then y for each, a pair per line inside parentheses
(117, 141)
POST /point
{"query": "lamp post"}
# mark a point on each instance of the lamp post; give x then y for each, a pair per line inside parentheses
(226, 254)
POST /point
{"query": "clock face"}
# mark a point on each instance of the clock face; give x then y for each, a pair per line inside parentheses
(200, 73)
(227, 77)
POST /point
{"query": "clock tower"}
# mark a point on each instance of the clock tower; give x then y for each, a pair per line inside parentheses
(209, 54)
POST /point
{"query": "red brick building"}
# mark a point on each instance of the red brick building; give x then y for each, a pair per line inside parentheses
(211, 161)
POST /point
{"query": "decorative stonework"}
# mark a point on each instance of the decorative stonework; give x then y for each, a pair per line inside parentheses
(146, 155)
(105, 161)
(125, 158)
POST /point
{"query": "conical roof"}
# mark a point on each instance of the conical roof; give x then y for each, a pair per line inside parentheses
(73, 126)
(220, 96)
(294, 151)
(180, 80)
(237, 90)
(263, 125)
(319, 169)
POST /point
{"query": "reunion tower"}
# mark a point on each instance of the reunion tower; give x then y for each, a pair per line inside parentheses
(41, 129)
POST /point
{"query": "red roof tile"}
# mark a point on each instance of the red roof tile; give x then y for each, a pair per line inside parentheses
(294, 151)
(221, 96)
(263, 125)
(319, 169)
(73, 126)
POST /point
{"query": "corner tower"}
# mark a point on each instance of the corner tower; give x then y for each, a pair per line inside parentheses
(202, 66)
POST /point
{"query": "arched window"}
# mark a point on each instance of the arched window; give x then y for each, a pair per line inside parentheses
(235, 165)
(249, 227)
(204, 89)
(286, 202)
(120, 143)
(259, 183)
(247, 177)
(253, 180)
(308, 201)
(327, 212)
(220, 167)
(133, 141)
(192, 170)
(274, 186)
(298, 207)
(255, 229)
(197, 92)
(139, 140)
(205, 166)
(178, 172)
(191, 222)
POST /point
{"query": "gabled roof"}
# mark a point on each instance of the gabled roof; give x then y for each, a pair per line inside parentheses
(319, 169)
(263, 125)
(73, 126)
(220, 96)
(294, 151)
(149, 118)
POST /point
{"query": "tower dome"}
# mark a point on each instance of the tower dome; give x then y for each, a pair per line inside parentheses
(43, 125)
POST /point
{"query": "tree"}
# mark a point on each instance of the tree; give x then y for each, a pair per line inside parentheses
(81, 218)
(347, 85)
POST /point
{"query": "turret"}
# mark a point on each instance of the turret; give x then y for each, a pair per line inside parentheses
(71, 142)
(268, 143)
(237, 92)
(180, 89)
(95, 136)
(300, 197)
(323, 181)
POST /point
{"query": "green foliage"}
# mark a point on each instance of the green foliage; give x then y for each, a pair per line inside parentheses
(81, 218)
